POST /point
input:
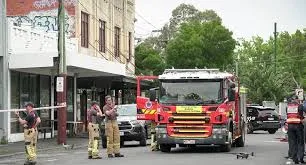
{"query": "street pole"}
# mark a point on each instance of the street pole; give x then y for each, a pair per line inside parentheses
(275, 35)
(62, 74)
(236, 68)
(4, 117)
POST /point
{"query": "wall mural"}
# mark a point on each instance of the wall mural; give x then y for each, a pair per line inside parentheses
(41, 14)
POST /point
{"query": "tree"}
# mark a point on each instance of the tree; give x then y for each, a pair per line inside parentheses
(257, 71)
(201, 44)
(292, 50)
(148, 61)
(184, 13)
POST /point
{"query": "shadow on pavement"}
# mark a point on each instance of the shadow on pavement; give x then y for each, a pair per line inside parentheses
(198, 149)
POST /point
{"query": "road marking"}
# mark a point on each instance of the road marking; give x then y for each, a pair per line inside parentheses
(51, 160)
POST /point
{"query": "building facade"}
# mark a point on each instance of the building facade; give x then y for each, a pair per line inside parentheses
(99, 57)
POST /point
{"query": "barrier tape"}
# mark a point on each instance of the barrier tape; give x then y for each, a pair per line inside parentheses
(40, 108)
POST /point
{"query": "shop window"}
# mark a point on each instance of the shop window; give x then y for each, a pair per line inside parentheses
(15, 101)
(45, 99)
(70, 99)
(24, 88)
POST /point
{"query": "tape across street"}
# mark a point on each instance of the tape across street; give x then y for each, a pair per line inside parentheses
(40, 108)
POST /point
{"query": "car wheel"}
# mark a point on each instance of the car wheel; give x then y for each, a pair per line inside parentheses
(272, 131)
(143, 140)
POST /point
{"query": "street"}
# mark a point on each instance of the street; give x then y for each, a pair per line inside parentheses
(267, 149)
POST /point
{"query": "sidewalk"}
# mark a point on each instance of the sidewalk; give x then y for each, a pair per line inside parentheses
(17, 148)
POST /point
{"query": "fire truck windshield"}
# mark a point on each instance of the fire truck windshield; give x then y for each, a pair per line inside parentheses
(191, 92)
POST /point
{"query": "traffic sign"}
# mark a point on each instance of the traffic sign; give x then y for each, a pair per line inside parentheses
(60, 84)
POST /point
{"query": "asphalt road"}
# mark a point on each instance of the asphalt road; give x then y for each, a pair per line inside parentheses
(267, 148)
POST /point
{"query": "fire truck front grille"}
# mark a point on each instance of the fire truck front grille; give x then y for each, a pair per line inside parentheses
(190, 126)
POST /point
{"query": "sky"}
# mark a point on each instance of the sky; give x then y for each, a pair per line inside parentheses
(245, 18)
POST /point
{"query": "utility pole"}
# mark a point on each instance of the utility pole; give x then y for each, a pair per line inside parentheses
(236, 63)
(5, 71)
(61, 88)
(275, 36)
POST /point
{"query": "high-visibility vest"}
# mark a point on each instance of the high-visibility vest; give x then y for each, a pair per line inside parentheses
(293, 116)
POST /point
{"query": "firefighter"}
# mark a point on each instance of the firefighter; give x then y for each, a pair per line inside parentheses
(296, 132)
(112, 128)
(154, 145)
(93, 130)
(30, 133)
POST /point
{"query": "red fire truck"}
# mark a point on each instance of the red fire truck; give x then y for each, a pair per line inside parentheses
(194, 107)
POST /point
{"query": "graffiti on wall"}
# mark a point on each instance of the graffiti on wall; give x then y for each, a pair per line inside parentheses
(45, 23)
(41, 14)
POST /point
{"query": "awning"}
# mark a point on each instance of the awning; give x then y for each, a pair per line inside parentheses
(83, 65)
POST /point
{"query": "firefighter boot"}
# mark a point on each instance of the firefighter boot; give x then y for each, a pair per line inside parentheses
(119, 155)
(30, 162)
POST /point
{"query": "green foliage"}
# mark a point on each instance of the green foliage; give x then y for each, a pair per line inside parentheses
(201, 44)
(184, 13)
(257, 66)
(148, 61)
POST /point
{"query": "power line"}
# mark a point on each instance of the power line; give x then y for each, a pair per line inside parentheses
(146, 20)
(279, 60)
(139, 16)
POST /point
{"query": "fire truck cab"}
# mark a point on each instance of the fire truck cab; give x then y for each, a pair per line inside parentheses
(195, 107)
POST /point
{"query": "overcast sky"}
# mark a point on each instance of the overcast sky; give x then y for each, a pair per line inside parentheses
(245, 18)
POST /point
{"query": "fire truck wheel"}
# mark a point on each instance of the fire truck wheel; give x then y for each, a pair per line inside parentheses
(165, 148)
(240, 141)
(228, 147)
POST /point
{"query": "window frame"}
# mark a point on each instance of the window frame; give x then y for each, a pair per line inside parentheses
(102, 36)
(117, 41)
(130, 46)
(84, 29)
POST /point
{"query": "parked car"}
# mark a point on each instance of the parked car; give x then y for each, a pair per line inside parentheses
(262, 118)
(130, 128)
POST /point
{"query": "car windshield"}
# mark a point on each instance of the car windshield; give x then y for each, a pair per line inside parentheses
(127, 110)
(191, 92)
(267, 111)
